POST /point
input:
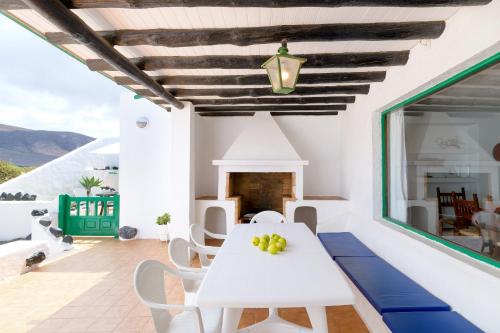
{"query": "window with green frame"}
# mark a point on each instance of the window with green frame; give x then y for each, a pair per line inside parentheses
(441, 162)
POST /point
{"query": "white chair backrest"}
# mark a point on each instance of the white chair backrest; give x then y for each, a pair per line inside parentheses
(268, 216)
(178, 251)
(149, 286)
(197, 234)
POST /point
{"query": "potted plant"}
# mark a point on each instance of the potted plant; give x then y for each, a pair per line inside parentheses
(89, 182)
(162, 225)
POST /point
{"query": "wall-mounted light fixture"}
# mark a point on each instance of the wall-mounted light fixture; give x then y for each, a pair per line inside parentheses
(142, 122)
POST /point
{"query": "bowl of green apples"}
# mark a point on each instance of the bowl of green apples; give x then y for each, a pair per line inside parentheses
(272, 244)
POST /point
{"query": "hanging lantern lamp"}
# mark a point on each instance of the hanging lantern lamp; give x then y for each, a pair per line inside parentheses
(283, 70)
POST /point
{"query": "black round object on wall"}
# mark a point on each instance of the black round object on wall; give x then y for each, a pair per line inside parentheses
(496, 152)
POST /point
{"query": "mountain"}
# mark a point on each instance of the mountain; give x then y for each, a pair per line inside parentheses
(25, 147)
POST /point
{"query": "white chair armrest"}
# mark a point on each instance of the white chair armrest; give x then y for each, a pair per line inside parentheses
(193, 275)
(216, 236)
(206, 250)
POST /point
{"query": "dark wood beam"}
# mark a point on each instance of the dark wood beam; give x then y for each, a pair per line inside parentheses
(227, 114)
(258, 92)
(259, 79)
(276, 100)
(78, 4)
(266, 35)
(251, 114)
(325, 60)
(333, 107)
(321, 113)
(57, 13)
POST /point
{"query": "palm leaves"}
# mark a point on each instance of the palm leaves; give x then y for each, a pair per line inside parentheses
(89, 182)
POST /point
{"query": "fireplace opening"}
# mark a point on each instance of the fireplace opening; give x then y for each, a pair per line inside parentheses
(258, 191)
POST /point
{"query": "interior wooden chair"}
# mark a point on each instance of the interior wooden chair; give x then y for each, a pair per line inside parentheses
(445, 200)
(464, 211)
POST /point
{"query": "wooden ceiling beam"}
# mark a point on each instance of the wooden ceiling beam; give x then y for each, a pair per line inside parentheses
(276, 100)
(80, 4)
(57, 13)
(227, 114)
(259, 79)
(320, 113)
(319, 60)
(333, 107)
(259, 92)
(251, 114)
(266, 35)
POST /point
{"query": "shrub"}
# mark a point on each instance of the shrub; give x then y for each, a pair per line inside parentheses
(164, 219)
(9, 171)
(89, 182)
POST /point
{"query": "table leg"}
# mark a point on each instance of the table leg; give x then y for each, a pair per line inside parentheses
(231, 319)
(317, 316)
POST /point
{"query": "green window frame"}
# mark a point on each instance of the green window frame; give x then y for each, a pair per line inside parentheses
(494, 59)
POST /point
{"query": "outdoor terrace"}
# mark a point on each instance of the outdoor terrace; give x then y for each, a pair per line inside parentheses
(90, 289)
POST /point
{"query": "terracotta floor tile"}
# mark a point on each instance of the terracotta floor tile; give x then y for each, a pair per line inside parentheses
(77, 325)
(104, 324)
(132, 324)
(90, 289)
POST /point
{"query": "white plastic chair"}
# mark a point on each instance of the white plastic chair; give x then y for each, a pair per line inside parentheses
(197, 234)
(179, 251)
(268, 216)
(149, 286)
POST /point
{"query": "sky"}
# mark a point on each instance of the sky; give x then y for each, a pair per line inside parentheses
(43, 88)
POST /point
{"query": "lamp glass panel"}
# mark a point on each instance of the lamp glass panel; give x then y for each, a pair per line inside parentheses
(272, 68)
(289, 71)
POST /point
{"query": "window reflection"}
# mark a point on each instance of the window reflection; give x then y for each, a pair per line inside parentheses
(443, 163)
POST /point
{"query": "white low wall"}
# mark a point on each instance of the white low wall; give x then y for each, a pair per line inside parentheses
(61, 175)
(15, 217)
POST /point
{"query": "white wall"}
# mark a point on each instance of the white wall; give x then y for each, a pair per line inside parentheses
(16, 219)
(316, 139)
(61, 175)
(144, 165)
(471, 291)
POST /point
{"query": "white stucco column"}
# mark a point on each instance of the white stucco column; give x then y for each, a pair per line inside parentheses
(183, 171)
(144, 164)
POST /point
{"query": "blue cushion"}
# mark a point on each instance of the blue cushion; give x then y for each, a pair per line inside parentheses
(344, 244)
(386, 288)
(428, 322)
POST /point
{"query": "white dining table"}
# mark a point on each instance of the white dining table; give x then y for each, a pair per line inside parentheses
(304, 275)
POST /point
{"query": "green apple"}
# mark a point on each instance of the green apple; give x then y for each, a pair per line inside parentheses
(265, 237)
(282, 241)
(255, 240)
(263, 246)
(273, 241)
(273, 249)
(279, 246)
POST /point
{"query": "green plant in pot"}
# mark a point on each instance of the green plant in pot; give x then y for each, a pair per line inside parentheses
(90, 182)
(162, 225)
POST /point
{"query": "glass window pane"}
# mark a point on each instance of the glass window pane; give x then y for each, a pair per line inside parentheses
(443, 176)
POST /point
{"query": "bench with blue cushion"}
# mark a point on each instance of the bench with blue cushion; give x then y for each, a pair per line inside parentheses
(344, 244)
(405, 306)
(386, 288)
(428, 322)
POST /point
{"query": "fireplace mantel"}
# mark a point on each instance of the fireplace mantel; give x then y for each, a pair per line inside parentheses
(259, 162)
(229, 166)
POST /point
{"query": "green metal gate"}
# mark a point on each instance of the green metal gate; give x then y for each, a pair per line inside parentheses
(89, 216)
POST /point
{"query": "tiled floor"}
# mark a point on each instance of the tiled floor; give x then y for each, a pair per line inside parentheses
(89, 289)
